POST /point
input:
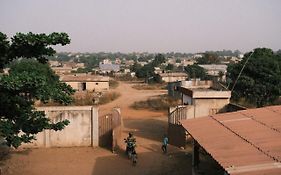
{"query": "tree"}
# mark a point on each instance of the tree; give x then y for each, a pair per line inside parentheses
(29, 81)
(169, 67)
(260, 81)
(158, 59)
(208, 58)
(195, 71)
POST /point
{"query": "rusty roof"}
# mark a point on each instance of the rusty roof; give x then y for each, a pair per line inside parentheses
(243, 142)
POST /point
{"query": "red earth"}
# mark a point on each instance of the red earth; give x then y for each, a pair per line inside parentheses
(148, 128)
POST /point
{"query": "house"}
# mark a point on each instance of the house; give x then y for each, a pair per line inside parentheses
(203, 101)
(173, 87)
(215, 70)
(199, 99)
(173, 76)
(86, 82)
(107, 68)
(243, 142)
(62, 70)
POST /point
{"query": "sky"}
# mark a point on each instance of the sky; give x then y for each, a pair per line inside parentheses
(149, 25)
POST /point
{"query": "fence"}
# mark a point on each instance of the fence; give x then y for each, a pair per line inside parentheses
(176, 132)
(81, 131)
(110, 130)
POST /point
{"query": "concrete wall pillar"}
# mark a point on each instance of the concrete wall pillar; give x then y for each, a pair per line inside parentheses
(95, 127)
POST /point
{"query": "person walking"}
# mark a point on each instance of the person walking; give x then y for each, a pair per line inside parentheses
(165, 143)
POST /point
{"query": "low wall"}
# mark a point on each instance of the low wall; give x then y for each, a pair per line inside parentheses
(81, 131)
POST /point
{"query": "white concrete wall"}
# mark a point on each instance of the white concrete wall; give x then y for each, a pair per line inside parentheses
(205, 107)
(82, 130)
(172, 79)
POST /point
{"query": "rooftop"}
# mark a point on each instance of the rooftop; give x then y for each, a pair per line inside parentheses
(201, 92)
(243, 142)
(173, 74)
(83, 77)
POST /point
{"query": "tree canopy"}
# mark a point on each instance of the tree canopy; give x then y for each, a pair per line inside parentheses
(208, 58)
(195, 71)
(260, 81)
(28, 81)
(147, 71)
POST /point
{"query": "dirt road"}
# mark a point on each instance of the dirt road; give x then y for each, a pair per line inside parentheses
(147, 126)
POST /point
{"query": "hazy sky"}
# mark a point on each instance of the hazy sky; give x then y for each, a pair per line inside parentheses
(149, 25)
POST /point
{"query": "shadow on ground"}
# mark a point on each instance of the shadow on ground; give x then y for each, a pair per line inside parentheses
(149, 163)
(152, 129)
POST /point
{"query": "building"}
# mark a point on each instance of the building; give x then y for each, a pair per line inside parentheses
(86, 82)
(204, 101)
(215, 70)
(173, 76)
(199, 99)
(107, 68)
(62, 70)
(173, 87)
(243, 142)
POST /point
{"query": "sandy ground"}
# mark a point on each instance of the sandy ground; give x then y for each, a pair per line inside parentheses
(147, 126)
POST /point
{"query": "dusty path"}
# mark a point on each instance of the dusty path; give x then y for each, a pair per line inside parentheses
(148, 127)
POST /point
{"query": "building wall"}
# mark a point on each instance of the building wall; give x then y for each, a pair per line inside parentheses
(90, 86)
(82, 130)
(74, 85)
(204, 107)
(97, 86)
(186, 100)
(172, 79)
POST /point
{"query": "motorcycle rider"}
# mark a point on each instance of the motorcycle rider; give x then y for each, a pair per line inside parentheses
(131, 142)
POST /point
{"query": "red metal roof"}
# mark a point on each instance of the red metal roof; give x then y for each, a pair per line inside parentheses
(243, 142)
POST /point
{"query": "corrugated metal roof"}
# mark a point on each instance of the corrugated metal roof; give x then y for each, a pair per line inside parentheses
(109, 67)
(243, 142)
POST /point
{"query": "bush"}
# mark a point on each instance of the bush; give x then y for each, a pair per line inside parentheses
(108, 97)
(113, 84)
(160, 103)
(150, 86)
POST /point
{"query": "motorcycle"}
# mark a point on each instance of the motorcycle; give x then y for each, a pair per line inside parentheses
(130, 148)
(134, 158)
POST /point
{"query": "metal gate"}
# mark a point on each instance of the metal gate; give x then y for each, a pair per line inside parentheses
(105, 131)
(176, 132)
(110, 129)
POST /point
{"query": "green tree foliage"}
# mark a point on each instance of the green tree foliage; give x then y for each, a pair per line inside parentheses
(170, 67)
(208, 58)
(260, 81)
(158, 59)
(28, 81)
(195, 71)
(147, 71)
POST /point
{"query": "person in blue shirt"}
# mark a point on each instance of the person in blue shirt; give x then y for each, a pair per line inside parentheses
(165, 143)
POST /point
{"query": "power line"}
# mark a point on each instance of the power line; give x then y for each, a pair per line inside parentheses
(241, 71)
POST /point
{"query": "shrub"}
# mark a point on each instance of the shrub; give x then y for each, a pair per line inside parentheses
(162, 102)
(108, 97)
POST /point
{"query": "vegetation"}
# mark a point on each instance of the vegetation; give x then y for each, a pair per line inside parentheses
(260, 81)
(162, 102)
(113, 84)
(195, 71)
(147, 71)
(27, 82)
(150, 86)
(209, 58)
(108, 97)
